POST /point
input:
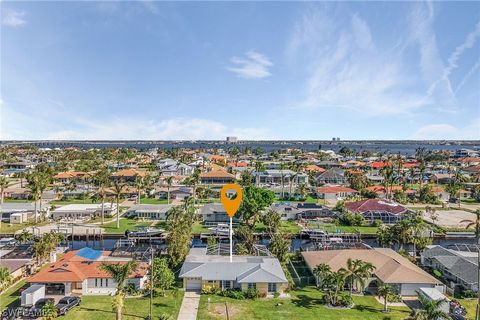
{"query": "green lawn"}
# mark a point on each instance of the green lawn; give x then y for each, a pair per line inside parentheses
(304, 304)
(289, 227)
(125, 224)
(71, 201)
(8, 229)
(100, 307)
(198, 227)
(11, 297)
(470, 305)
(153, 201)
(17, 200)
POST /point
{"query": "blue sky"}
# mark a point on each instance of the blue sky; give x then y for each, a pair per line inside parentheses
(256, 70)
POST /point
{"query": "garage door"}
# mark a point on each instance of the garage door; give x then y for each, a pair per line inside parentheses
(194, 284)
(410, 289)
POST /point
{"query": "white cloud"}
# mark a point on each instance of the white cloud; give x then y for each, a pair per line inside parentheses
(455, 56)
(253, 66)
(20, 125)
(444, 131)
(467, 76)
(345, 71)
(12, 18)
(362, 34)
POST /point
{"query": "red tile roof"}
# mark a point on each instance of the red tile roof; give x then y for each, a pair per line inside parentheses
(73, 268)
(375, 205)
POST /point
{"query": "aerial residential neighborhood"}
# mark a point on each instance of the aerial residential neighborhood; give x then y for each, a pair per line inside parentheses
(399, 238)
(239, 160)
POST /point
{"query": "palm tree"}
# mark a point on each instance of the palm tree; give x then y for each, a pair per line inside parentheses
(49, 311)
(283, 167)
(384, 291)
(193, 181)
(169, 181)
(119, 273)
(102, 180)
(117, 191)
(3, 185)
(321, 271)
(33, 188)
(259, 167)
(5, 278)
(139, 184)
(357, 271)
(431, 309)
(302, 190)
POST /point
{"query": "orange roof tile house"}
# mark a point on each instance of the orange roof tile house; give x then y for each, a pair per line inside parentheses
(334, 193)
(216, 177)
(78, 272)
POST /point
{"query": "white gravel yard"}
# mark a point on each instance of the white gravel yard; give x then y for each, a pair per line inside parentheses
(451, 218)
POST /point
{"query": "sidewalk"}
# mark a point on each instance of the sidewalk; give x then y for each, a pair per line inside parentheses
(189, 308)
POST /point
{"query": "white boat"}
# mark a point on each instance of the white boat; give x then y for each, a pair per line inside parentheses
(145, 232)
(221, 229)
(314, 233)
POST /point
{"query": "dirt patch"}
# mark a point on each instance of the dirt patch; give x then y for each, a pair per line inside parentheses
(220, 311)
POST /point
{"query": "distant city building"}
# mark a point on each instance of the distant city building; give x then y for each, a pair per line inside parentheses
(232, 139)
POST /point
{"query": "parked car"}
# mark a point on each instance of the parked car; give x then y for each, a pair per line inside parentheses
(67, 303)
(36, 311)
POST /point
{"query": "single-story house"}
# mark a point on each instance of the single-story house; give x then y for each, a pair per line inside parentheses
(276, 176)
(84, 211)
(458, 268)
(301, 210)
(216, 177)
(390, 268)
(334, 193)
(213, 214)
(149, 211)
(372, 209)
(441, 178)
(79, 272)
(26, 209)
(16, 267)
(261, 272)
(68, 176)
(176, 193)
(127, 175)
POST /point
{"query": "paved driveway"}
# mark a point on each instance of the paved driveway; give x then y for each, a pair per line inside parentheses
(189, 308)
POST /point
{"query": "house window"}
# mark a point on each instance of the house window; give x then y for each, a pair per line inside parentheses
(272, 287)
(252, 285)
(101, 282)
(106, 282)
(226, 284)
(96, 282)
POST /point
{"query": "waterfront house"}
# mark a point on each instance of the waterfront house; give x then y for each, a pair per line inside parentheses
(378, 209)
(149, 211)
(334, 193)
(459, 269)
(201, 270)
(333, 176)
(83, 211)
(78, 272)
(302, 210)
(390, 268)
(213, 214)
(216, 177)
(127, 175)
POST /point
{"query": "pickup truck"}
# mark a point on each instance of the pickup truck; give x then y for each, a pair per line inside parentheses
(67, 303)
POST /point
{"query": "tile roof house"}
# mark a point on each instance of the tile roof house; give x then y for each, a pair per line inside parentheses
(382, 209)
(334, 192)
(332, 176)
(261, 272)
(458, 268)
(127, 175)
(390, 268)
(78, 272)
(216, 177)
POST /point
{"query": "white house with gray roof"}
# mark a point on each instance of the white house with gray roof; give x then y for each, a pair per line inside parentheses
(261, 272)
(149, 211)
(458, 268)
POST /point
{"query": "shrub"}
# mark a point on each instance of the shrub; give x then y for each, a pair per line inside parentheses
(393, 297)
(377, 223)
(276, 294)
(131, 290)
(468, 294)
(251, 293)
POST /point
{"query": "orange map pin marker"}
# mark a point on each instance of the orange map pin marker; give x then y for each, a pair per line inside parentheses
(231, 205)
